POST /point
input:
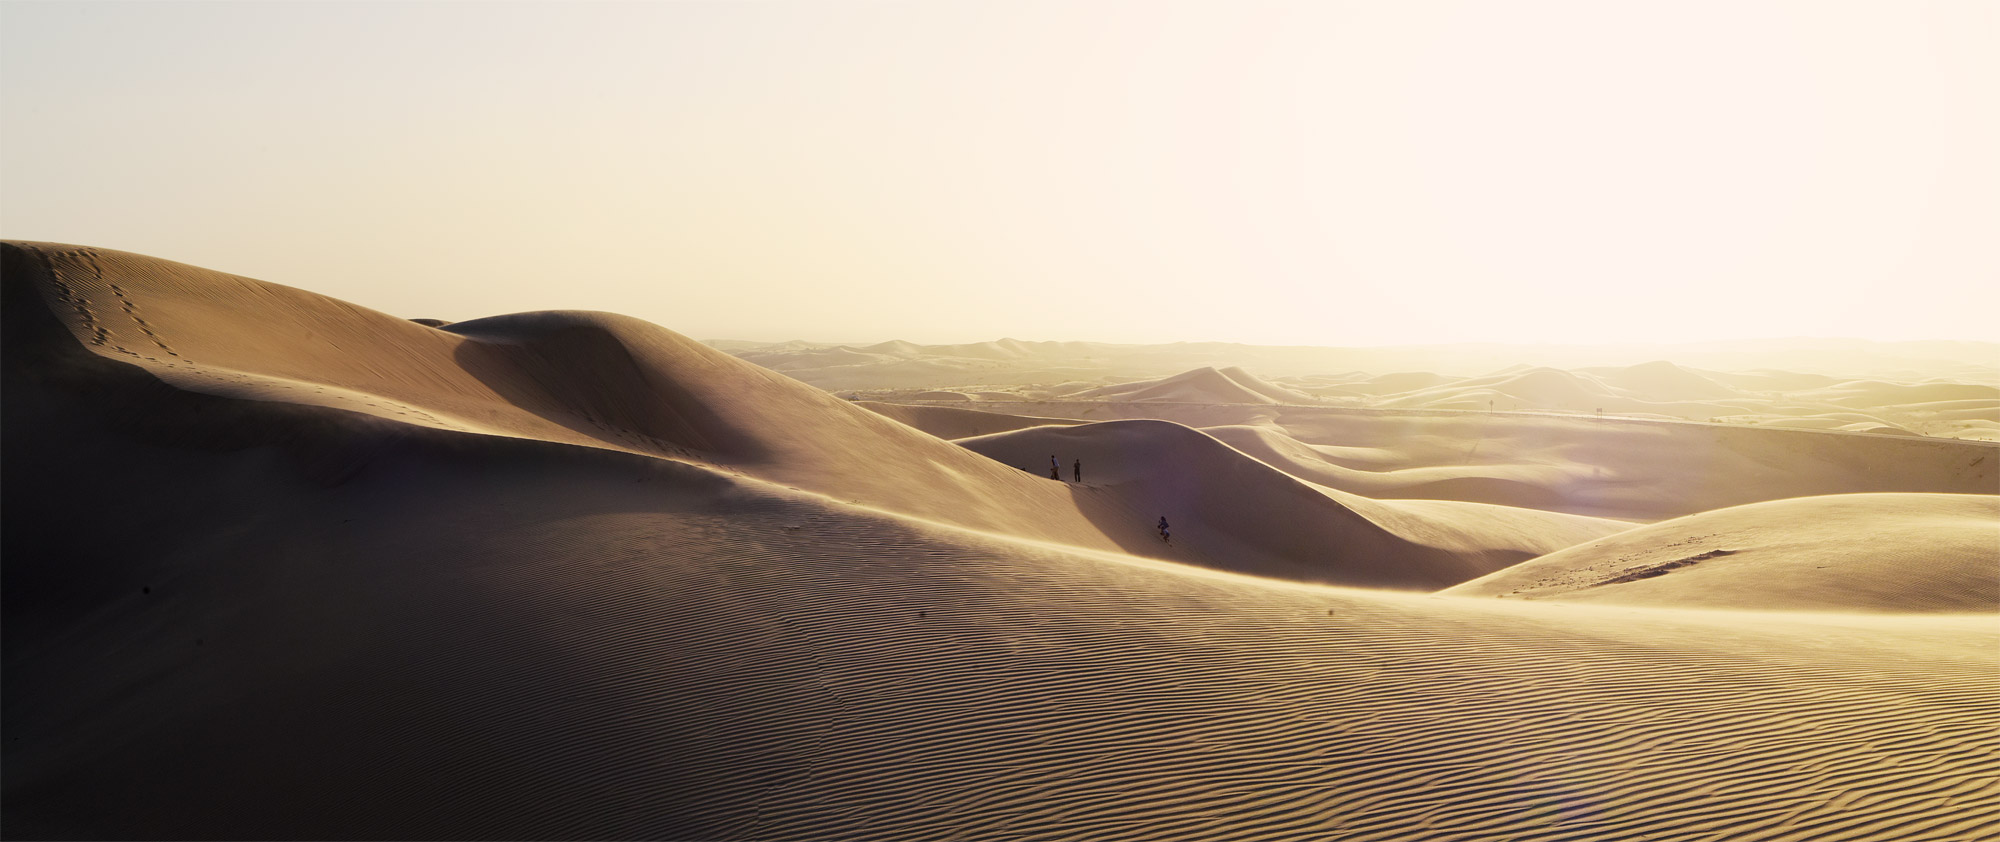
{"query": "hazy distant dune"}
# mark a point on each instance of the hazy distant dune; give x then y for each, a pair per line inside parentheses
(952, 423)
(1663, 381)
(1658, 389)
(823, 358)
(1399, 382)
(1778, 381)
(1203, 385)
(1876, 393)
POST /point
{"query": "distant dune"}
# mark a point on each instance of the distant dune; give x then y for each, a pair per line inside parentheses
(1663, 381)
(1782, 364)
(1658, 389)
(1202, 385)
(280, 566)
(952, 423)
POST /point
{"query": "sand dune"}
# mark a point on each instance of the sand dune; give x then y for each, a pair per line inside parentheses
(1202, 385)
(277, 566)
(1607, 467)
(1398, 382)
(947, 422)
(1663, 381)
(1877, 552)
(589, 379)
(1229, 505)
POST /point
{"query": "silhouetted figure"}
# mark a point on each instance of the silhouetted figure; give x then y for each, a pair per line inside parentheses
(1055, 468)
(1078, 468)
(1164, 535)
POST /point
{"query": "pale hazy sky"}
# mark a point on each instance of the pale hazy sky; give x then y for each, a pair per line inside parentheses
(1281, 173)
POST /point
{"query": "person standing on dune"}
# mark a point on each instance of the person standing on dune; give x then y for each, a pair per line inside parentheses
(1078, 467)
(1164, 535)
(1055, 468)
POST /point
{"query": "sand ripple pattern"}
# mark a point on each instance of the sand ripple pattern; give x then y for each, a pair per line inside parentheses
(613, 659)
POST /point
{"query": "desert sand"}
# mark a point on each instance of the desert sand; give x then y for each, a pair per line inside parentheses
(281, 566)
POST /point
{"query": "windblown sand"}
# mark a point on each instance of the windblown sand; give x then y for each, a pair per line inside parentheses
(278, 566)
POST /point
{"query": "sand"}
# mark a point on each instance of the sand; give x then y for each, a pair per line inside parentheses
(278, 566)
(1876, 552)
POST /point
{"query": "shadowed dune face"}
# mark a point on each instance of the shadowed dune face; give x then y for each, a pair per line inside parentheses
(302, 570)
(575, 367)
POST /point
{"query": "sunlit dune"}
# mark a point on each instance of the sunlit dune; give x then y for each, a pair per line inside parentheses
(281, 566)
(1877, 552)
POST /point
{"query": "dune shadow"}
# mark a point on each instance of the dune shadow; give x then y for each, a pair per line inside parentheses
(584, 379)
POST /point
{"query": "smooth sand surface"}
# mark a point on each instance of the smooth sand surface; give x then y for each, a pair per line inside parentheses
(277, 566)
(1875, 552)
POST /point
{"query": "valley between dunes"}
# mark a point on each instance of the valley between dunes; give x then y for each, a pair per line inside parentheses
(280, 566)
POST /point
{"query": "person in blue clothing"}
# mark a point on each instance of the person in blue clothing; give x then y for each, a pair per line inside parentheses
(1164, 535)
(1055, 468)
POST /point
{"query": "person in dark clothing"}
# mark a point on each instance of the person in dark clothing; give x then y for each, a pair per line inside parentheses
(1055, 468)
(1164, 535)
(1078, 467)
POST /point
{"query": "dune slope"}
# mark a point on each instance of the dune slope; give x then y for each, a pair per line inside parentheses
(1239, 507)
(1876, 552)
